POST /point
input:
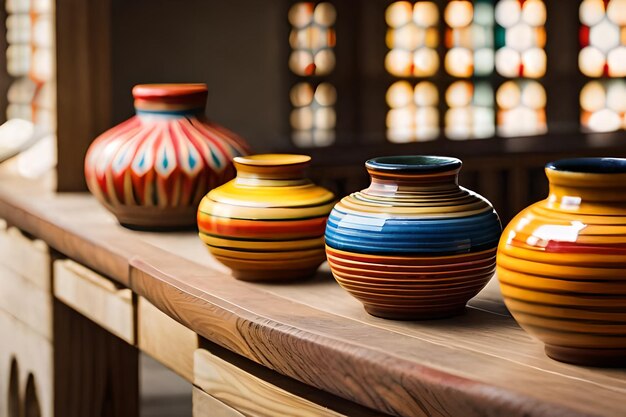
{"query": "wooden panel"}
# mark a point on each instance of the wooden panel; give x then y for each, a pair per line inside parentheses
(33, 356)
(95, 373)
(95, 297)
(26, 302)
(166, 340)
(83, 84)
(247, 393)
(206, 406)
(29, 258)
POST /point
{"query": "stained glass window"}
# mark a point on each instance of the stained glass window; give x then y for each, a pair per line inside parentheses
(412, 39)
(470, 111)
(520, 38)
(312, 39)
(603, 38)
(469, 38)
(413, 113)
(603, 54)
(521, 108)
(30, 60)
(313, 116)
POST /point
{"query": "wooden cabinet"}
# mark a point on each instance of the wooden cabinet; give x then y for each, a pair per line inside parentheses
(26, 355)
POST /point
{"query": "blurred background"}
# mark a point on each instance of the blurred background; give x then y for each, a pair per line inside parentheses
(505, 85)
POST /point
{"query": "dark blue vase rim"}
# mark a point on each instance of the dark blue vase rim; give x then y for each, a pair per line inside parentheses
(600, 165)
(423, 164)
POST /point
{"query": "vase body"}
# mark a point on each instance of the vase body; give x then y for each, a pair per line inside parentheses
(562, 263)
(414, 245)
(152, 170)
(268, 223)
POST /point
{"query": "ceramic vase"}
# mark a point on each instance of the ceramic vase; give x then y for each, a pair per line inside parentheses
(562, 263)
(268, 223)
(152, 170)
(414, 245)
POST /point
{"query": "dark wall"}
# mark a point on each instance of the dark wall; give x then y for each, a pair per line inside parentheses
(234, 46)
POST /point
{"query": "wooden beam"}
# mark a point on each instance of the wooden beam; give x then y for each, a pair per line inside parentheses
(83, 43)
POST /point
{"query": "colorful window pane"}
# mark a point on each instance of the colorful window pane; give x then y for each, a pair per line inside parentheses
(30, 60)
(313, 116)
(470, 111)
(412, 39)
(413, 114)
(603, 38)
(312, 38)
(603, 105)
(520, 38)
(521, 108)
(469, 38)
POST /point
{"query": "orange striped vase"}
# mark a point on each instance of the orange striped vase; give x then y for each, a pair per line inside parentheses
(562, 263)
(268, 223)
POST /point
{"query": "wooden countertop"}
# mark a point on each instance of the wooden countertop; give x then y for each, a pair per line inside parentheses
(477, 364)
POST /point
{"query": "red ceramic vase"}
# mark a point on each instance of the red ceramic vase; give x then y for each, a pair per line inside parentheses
(152, 170)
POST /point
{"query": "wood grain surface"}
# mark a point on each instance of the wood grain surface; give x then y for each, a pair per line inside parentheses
(477, 364)
(33, 356)
(166, 340)
(206, 406)
(95, 297)
(247, 393)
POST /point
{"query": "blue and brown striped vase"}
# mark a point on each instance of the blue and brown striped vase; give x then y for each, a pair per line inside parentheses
(414, 245)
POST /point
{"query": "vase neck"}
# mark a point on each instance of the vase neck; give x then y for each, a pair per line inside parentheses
(387, 184)
(571, 189)
(273, 170)
(170, 100)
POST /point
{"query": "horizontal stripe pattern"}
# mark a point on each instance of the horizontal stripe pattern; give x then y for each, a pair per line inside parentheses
(406, 288)
(414, 244)
(562, 272)
(270, 230)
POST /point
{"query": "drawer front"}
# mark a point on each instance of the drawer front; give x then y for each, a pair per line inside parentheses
(26, 302)
(247, 393)
(206, 406)
(26, 257)
(166, 340)
(95, 297)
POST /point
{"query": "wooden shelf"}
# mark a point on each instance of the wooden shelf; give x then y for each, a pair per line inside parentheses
(480, 363)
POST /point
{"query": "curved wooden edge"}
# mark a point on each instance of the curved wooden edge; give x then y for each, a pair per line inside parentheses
(296, 341)
(80, 241)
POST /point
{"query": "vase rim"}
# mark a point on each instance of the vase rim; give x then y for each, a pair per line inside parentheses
(599, 165)
(156, 91)
(272, 159)
(414, 163)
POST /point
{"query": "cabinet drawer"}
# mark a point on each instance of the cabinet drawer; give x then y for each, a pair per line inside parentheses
(26, 302)
(166, 340)
(26, 257)
(247, 393)
(95, 297)
(206, 406)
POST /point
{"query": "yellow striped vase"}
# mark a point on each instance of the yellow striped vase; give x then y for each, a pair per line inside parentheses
(268, 223)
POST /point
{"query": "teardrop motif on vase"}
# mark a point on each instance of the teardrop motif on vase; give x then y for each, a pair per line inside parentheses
(152, 170)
